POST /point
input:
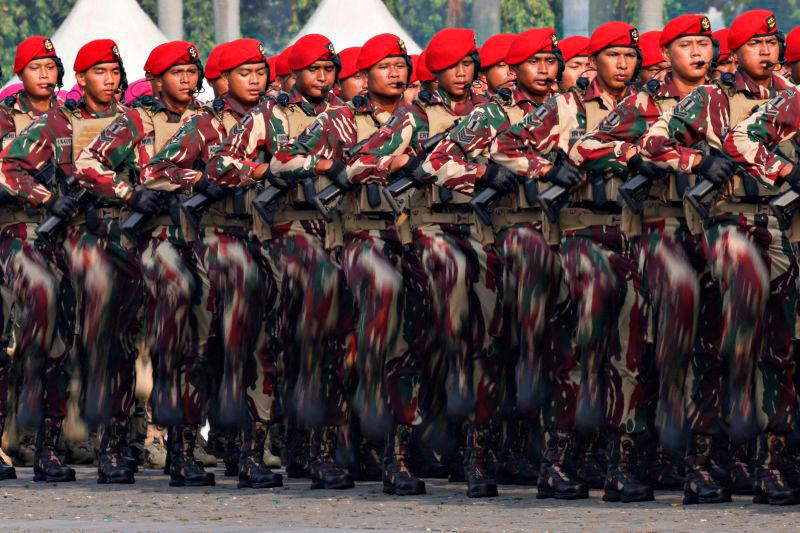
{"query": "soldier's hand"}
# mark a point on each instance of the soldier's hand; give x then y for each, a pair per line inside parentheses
(6, 198)
(499, 178)
(637, 165)
(793, 177)
(212, 190)
(715, 169)
(280, 182)
(565, 176)
(145, 201)
(413, 171)
(337, 173)
(62, 206)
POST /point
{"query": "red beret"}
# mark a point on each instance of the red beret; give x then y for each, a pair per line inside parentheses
(349, 59)
(212, 71)
(495, 48)
(650, 45)
(687, 24)
(272, 61)
(379, 48)
(754, 23)
(421, 71)
(310, 48)
(167, 55)
(612, 34)
(239, 52)
(574, 46)
(531, 42)
(95, 52)
(448, 47)
(33, 48)
(793, 46)
(282, 63)
(721, 36)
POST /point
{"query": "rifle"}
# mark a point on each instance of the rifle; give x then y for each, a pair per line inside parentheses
(484, 203)
(132, 224)
(784, 207)
(332, 192)
(71, 188)
(267, 202)
(194, 206)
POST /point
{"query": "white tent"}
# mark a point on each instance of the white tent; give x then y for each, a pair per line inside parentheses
(121, 20)
(351, 22)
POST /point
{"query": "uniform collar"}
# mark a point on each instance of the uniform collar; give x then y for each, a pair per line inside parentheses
(314, 109)
(668, 89)
(229, 103)
(441, 97)
(90, 113)
(158, 105)
(23, 104)
(595, 92)
(746, 84)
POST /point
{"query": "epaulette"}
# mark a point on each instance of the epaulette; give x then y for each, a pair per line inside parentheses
(505, 95)
(146, 100)
(359, 101)
(282, 99)
(217, 105)
(426, 96)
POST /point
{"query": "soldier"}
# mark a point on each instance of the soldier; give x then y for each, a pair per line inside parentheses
(463, 298)
(726, 62)
(576, 62)
(295, 240)
(283, 74)
(654, 65)
(176, 326)
(218, 82)
(748, 253)
(352, 82)
(595, 252)
(426, 77)
(34, 276)
(228, 253)
(414, 84)
(532, 279)
(495, 73)
(671, 258)
(792, 54)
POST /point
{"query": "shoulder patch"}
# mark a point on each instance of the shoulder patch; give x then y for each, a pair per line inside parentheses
(683, 107)
(310, 131)
(611, 121)
(536, 118)
(179, 135)
(773, 106)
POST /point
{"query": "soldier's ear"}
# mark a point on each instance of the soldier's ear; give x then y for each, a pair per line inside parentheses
(80, 77)
(665, 54)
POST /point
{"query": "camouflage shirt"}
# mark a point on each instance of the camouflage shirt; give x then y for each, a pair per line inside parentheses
(702, 117)
(456, 159)
(181, 162)
(752, 141)
(47, 140)
(404, 133)
(18, 104)
(124, 147)
(555, 126)
(264, 129)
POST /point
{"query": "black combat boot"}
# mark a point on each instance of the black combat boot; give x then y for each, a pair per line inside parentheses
(397, 477)
(233, 447)
(184, 469)
(111, 467)
(659, 468)
(700, 485)
(456, 458)
(555, 480)
(325, 473)
(770, 485)
(297, 453)
(125, 450)
(590, 469)
(46, 464)
(790, 468)
(369, 465)
(622, 484)
(6, 470)
(478, 464)
(513, 466)
(253, 473)
(742, 468)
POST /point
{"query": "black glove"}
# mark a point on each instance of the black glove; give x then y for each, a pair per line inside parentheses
(637, 165)
(499, 178)
(145, 201)
(565, 176)
(211, 190)
(63, 207)
(280, 182)
(793, 177)
(338, 175)
(6, 198)
(413, 171)
(716, 169)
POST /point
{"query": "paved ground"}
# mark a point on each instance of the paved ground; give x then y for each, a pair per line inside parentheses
(151, 505)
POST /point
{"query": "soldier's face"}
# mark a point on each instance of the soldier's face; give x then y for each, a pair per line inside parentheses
(179, 83)
(615, 66)
(574, 69)
(729, 66)
(499, 75)
(219, 86)
(794, 71)
(99, 83)
(388, 77)
(312, 80)
(39, 78)
(690, 57)
(535, 75)
(247, 82)
(353, 86)
(286, 83)
(659, 71)
(757, 57)
(457, 80)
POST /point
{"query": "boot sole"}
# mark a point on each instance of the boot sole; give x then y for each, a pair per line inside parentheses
(392, 490)
(52, 479)
(764, 499)
(8, 475)
(483, 492)
(251, 485)
(616, 496)
(694, 499)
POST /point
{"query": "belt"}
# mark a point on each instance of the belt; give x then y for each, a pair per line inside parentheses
(288, 214)
(215, 220)
(17, 215)
(421, 217)
(574, 218)
(656, 210)
(504, 217)
(354, 223)
(744, 208)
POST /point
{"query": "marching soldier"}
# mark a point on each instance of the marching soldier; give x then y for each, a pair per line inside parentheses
(653, 63)
(726, 61)
(792, 54)
(495, 73)
(671, 258)
(576, 62)
(749, 255)
(175, 285)
(351, 81)
(595, 252)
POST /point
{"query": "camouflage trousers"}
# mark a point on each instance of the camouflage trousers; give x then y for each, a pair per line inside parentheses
(179, 312)
(310, 322)
(756, 267)
(36, 273)
(239, 280)
(106, 276)
(464, 276)
(390, 291)
(611, 328)
(535, 303)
